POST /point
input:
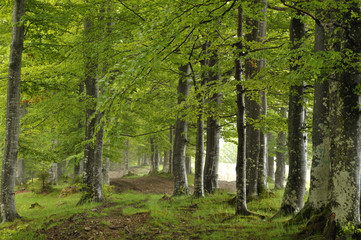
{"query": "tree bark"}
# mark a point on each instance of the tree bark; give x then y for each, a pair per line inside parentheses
(189, 165)
(166, 161)
(320, 169)
(180, 141)
(98, 163)
(199, 158)
(8, 209)
(262, 185)
(20, 172)
(171, 149)
(270, 160)
(213, 131)
(293, 197)
(345, 117)
(53, 174)
(241, 204)
(253, 113)
(106, 170)
(281, 156)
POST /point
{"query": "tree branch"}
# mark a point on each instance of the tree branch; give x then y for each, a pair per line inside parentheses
(318, 22)
(131, 10)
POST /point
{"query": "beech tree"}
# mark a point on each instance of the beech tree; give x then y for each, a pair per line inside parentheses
(180, 140)
(8, 209)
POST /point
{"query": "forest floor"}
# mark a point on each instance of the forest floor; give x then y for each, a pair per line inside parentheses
(141, 207)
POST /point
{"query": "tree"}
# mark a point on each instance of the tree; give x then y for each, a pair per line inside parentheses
(180, 141)
(281, 156)
(241, 204)
(8, 210)
(213, 129)
(293, 197)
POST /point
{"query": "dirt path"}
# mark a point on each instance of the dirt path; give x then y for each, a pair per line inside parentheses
(155, 184)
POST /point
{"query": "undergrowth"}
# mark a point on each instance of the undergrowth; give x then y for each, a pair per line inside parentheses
(182, 217)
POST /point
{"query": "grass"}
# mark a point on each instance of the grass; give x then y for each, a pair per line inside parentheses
(182, 217)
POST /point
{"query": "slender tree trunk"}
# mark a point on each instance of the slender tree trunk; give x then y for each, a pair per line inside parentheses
(253, 113)
(180, 141)
(212, 156)
(171, 149)
(213, 132)
(293, 197)
(241, 204)
(199, 158)
(8, 209)
(189, 165)
(53, 174)
(106, 170)
(281, 157)
(166, 161)
(270, 160)
(98, 163)
(262, 185)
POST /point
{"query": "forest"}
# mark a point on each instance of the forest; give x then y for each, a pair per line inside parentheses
(119, 119)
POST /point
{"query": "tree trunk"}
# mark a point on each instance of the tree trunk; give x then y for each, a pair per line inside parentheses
(166, 161)
(53, 174)
(20, 172)
(212, 156)
(213, 131)
(171, 149)
(293, 197)
(126, 164)
(92, 92)
(280, 174)
(8, 209)
(98, 163)
(262, 185)
(189, 165)
(198, 171)
(345, 117)
(253, 113)
(241, 204)
(180, 141)
(320, 169)
(270, 160)
(106, 170)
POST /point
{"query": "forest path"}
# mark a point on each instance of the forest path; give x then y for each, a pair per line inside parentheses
(153, 183)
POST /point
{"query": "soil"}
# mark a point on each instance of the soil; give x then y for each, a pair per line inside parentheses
(113, 224)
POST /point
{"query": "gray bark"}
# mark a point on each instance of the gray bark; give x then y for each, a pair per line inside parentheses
(8, 209)
(253, 113)
(293, 198)
(241, 204)
(106, 169)
(199, 158)
(213, 131)
(166, 161)
(345, 129)
(171, 149)
(270, 160)
(20, 172)
(126, 164)
(262, 185)
(53, 174)
(280, 174)
(98, 163)
(320, 169)
(180, 141)
(189, 165)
